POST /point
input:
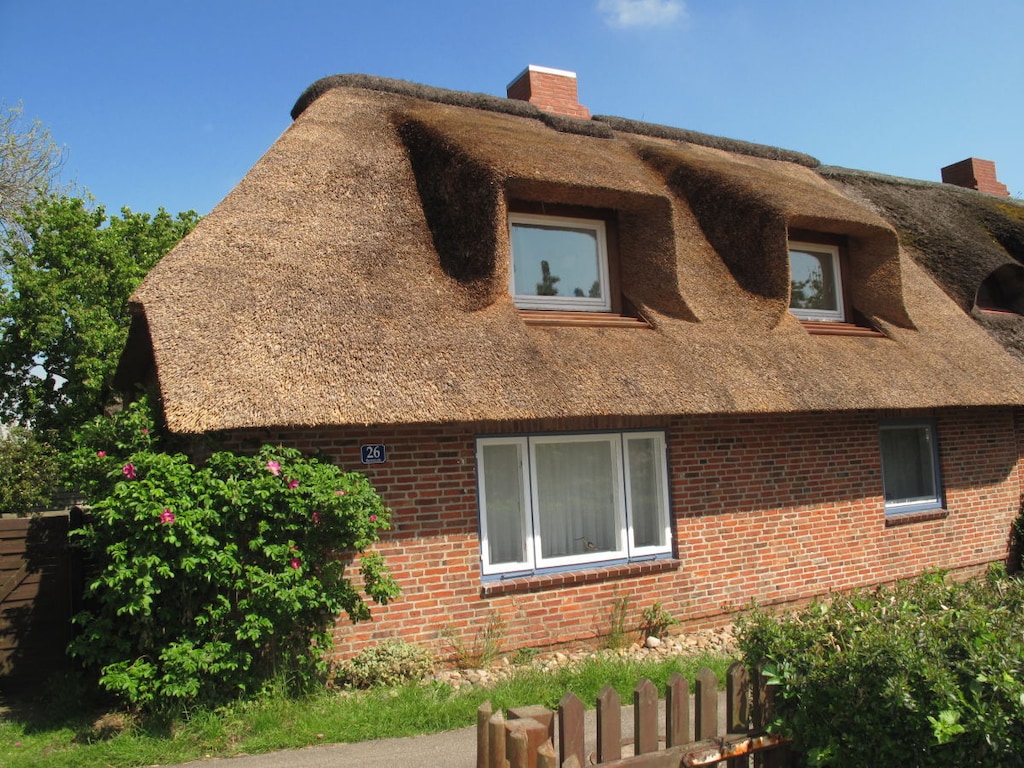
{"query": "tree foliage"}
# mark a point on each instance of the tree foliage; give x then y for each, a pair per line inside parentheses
(28, 471)
(29, 162)
(64, 294)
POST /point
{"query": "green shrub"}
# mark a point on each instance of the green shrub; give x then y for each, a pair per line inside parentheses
(919, 674)
(391, 662)
(214, 581)
(29, 471)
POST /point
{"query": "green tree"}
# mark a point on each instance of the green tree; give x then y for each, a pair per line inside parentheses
(65, 278)
(29, 162)
(29, 471)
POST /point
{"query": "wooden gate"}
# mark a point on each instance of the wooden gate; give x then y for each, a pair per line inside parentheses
(527, 738)
(40, 589)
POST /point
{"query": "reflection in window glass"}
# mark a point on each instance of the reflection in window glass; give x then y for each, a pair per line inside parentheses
(815, 291)
(559, 263)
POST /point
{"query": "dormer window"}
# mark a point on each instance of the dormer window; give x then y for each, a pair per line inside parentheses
(559, 263)
(816, 287)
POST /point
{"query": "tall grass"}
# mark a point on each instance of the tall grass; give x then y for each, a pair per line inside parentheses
(31, 737)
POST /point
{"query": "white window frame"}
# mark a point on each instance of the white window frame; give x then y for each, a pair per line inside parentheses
(564, 303)
(530, 524)
(836, 315)
(935, 499)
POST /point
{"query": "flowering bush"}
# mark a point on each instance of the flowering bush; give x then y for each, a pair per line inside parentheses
(211, 581)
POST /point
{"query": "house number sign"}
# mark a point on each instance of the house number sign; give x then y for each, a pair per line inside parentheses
(375, 453)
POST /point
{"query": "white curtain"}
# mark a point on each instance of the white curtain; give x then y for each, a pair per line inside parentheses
(577, 497)
(504, 503)
(646, 498)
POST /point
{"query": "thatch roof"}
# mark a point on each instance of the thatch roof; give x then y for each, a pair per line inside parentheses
(961, 238)
(358, 274)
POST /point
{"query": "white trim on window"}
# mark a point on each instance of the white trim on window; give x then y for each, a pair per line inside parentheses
(583, 275)
(563, 501)
(911, 480)
(832, 309)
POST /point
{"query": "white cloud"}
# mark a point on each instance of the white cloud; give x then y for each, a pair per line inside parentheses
(642, 13)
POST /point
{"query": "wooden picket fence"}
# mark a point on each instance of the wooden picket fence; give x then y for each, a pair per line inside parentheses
(527, 737)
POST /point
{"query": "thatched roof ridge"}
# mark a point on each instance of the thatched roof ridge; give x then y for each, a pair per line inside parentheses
(735, 146)
(444, 96)
(598, 125)
(358, 275)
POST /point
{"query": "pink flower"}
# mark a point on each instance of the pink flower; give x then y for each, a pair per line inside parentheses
(145, 431)
(296, 563)
(339, 493)
(373, 518)
(101, 454)
(274, 468)
(293, 484)
(316, 518)
(128, 470)
(166, 517)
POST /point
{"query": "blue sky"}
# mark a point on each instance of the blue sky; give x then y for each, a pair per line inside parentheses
(168, 104)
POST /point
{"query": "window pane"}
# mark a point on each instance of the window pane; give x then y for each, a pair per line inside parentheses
(813, 279)
(908, 466)
(503, 503)
(646, 492)
(556, 261)
(576, 497)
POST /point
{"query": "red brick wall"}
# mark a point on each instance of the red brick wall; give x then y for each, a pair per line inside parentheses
(770, 508)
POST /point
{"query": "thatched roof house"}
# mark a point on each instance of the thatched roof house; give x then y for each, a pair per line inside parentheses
(604, 359)
(359, 275)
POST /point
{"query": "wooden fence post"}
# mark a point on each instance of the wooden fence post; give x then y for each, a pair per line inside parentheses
(645, 718)
(570, 729)
(705, 692)
(609, 725)
(677, 711)
(496, 741)
(737, 706)
(483, 714)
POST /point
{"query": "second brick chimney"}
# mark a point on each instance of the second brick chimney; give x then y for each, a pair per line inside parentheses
(553, 90)
(975, 174)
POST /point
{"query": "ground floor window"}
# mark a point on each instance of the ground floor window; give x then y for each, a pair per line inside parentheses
(565, 500)
(910, 466)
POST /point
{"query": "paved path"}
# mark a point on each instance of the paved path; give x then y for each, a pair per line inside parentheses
(450, 749)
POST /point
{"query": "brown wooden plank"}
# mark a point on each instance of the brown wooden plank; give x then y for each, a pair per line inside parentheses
(496, 741)
(517, 748)
(570, 729)
(609, 725)
(677, 711)
(645, 718)
(705, 717)
(523, 739)
(546, 757)
(483, 714)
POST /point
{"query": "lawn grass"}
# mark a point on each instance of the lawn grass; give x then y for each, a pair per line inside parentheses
(64, 735)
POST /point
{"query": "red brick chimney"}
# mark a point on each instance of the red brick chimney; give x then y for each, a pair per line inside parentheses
(975, 174)
(553, 90)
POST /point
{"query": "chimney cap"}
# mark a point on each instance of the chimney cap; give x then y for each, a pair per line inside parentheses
(543, 71)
